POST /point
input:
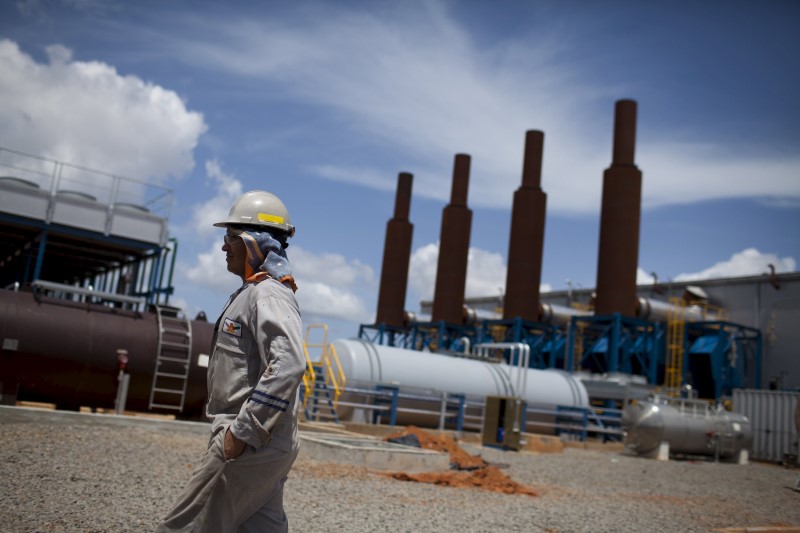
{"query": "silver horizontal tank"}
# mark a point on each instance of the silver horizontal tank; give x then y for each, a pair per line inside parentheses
(660, 311)
(366, 365)
(690, 427)
(560, 315)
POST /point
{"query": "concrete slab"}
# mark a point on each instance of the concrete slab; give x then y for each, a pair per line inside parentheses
(372, 453)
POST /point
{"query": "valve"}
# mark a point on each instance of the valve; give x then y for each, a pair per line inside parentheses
(122, 360)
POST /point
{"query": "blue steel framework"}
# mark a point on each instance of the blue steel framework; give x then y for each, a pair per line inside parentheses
(718, 356)
(146, 264)
(721, 356)
(614, 343)
(546, 342)
(432, 336)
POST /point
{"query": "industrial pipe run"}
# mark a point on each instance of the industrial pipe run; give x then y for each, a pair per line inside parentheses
(660, 311)
(367, 365)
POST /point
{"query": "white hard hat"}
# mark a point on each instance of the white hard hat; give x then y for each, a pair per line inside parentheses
(259, 208)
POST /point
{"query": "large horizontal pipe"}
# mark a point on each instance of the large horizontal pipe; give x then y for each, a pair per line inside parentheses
(559, 315)
(63, 352)
(367, 365)
(659, 311)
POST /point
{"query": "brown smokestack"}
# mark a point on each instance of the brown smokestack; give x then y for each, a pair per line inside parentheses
(451, 272)
(396, 255)
(619, 220)
(527, 236)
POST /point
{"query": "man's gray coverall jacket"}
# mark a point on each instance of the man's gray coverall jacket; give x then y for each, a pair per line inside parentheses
(257, 365)
(254, 372)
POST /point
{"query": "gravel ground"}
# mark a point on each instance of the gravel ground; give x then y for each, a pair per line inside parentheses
(86, 473)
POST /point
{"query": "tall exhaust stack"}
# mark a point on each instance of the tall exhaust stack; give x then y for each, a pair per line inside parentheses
(451, 271)
(619, 220)
(527, 236)
(396, 256)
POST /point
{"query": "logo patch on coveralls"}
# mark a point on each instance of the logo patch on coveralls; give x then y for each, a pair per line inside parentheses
(232, 328)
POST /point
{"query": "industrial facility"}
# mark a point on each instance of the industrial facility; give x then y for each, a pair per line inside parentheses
(88, 254)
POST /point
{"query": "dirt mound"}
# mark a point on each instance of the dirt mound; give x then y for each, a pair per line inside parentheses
(470, 470)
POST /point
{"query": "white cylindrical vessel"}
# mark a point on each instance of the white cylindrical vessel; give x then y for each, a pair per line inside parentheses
(687, 426)
(367, 365)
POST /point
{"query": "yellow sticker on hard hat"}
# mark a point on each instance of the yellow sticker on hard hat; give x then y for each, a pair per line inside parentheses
(264, 217)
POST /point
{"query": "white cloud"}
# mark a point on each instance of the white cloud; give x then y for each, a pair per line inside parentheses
(216, 208)
(330, 285)
(88, 114)
(328, 301)
(422, 271)
(749, 262)
(210, 270)
(643, 277)
(417, 81)
(486, 273)
(330, 268)
(678, 173)
(321, 293)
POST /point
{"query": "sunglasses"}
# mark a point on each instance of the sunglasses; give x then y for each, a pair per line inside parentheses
(231, 237)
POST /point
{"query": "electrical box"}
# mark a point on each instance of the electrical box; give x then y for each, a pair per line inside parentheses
(503, 421)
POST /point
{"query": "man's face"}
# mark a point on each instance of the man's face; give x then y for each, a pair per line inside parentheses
(235, 252)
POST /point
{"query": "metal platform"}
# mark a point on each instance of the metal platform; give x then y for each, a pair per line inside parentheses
(73, 225)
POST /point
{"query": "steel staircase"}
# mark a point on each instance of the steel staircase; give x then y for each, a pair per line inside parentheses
(172, 361)
(324, 379)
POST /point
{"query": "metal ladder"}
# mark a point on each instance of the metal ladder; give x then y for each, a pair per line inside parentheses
(676, 325)
(173, 361)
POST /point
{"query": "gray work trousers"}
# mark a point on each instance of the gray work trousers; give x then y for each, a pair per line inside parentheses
(242, 494)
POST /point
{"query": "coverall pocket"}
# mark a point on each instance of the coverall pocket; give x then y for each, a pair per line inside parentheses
(228, 373)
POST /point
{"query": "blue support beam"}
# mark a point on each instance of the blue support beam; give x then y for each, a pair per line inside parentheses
(722, 356)
(615, 343)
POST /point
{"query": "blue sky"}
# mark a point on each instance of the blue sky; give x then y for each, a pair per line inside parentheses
(325, 103)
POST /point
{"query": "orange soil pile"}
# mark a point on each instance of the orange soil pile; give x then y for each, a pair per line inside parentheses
(472, 471)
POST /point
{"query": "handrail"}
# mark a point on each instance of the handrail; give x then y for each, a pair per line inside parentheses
(50, 174)
(70, 289)
(309, 376)
(523, 360)
(580, 420)
(338, 384)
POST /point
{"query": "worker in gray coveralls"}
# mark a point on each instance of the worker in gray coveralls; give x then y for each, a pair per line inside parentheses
(257, 363)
